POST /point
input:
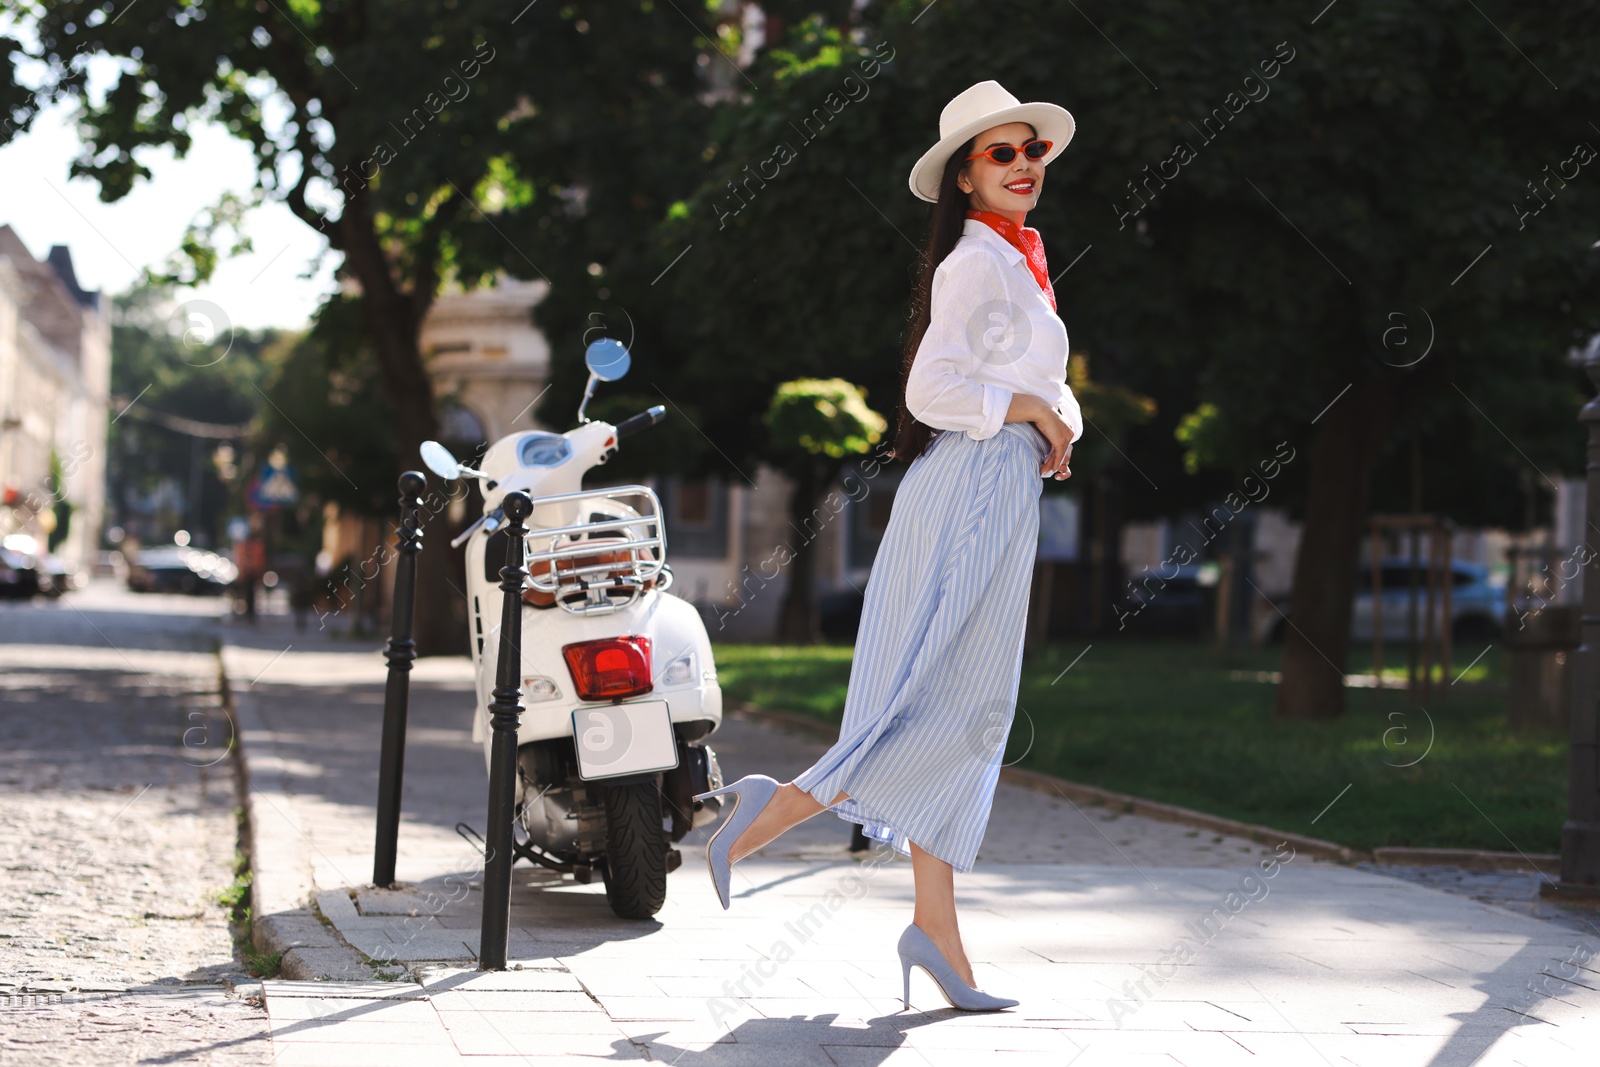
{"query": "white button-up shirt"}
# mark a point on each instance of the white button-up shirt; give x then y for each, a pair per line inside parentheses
(991, 333)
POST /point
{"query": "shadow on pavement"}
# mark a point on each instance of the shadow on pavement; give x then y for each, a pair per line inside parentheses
(841, 1044)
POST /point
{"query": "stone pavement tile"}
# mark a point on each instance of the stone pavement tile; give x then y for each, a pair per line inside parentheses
(681, 1034)
(740, 1055)
(663, 1008)
(1071, 981)
(412, 946)
(281, 988)
(1329, 1016)
(392, 902)
(869, 1056)
(1111, 1048)
(729, 984)
(536, 1059)
(842, 1028)
(809, 969)
(291, 1009)
(665, 965)
(291, 929)
(1475, 958)
(438, 981)
(1397, 1025)
(1248, 1015)
(519, 946)
(1169, 1015)
(1535, 1045)
(353, 926)
(329, 1054)
(858, 1007)
(1360, 1049)
(338, 907)
(612, 984)
(1071, 949)
(533, 1022)
(520, 962)
(374, 1031)
(336, 964)
(1036, 1009)
(512, 1000)
(1037, 1039)
(1416, 998)
(709, 952)
(492, 1042)
(1454, 1050)
(843, 986)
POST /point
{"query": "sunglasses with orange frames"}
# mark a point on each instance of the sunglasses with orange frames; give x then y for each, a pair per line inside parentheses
(1004, 153)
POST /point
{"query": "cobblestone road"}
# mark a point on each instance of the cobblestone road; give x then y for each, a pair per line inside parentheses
(117, 833)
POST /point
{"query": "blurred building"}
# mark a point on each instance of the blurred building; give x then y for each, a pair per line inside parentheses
(55, 377)
(488, 361)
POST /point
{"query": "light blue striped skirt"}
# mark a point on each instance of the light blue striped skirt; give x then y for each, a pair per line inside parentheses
(933, 685)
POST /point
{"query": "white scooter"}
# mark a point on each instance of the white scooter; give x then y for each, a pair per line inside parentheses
(619, 690)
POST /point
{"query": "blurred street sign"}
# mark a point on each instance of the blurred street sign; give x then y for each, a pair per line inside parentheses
(275, 487)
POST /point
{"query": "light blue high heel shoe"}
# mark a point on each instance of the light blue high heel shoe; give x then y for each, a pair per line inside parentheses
(751, 793)
(916, 950)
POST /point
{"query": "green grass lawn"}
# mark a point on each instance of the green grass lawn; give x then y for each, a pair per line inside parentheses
(1190, 724)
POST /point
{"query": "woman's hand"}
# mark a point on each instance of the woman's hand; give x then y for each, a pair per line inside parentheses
(1037, 410)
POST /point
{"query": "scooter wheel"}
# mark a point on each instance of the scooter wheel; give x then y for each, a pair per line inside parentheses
(636, 850)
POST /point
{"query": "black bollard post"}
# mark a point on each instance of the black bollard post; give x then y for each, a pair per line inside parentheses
(1580, 834)
(397, 693)
(505, 715)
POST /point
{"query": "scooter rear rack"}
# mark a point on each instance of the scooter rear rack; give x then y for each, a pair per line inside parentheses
(597, 588)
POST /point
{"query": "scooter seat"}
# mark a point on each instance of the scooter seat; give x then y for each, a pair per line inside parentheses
(540, 599)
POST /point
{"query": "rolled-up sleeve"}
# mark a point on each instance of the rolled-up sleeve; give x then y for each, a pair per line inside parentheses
(1070, 412)
(940, 391)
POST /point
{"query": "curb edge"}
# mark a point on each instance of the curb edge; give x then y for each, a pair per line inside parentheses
(1040, 782)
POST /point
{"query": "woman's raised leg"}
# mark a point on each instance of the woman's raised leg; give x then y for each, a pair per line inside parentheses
(790, 806)
(935, 913)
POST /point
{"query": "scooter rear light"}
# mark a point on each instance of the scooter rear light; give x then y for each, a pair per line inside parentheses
(610, 668)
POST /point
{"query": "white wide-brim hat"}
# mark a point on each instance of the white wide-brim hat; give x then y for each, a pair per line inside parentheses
(976, 109)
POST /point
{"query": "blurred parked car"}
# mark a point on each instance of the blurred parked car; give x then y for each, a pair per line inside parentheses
(180, 569)
(1477, 606)
(57, 576)
(839, 616)
(19, 566)
(1152, 604)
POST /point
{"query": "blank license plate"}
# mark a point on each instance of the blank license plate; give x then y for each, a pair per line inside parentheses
(615, 739)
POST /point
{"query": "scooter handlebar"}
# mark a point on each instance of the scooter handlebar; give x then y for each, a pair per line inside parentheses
(634, 423)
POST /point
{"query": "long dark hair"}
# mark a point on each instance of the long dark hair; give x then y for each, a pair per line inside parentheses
(944, 230)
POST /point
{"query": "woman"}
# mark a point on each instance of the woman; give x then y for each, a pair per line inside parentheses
(933, 684)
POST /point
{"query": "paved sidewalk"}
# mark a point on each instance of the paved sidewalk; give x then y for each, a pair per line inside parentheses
(1129, 941)
(117, 834)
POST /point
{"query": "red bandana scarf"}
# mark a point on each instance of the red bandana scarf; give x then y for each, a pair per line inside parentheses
(1024, 239)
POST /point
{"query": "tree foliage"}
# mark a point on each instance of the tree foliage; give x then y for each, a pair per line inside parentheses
(1267, 214)
(1251, 206)
(317, 393)
(822, 420)
(164, 372)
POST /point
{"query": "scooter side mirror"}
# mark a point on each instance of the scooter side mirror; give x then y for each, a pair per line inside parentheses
(440, 461)
(607, 359)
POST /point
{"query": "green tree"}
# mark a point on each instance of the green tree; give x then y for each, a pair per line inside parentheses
(177, 388)
(814, 426)
(1252, 198)
(318, 391)
(408, 135)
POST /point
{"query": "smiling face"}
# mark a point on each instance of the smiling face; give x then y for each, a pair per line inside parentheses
(1010, 189)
